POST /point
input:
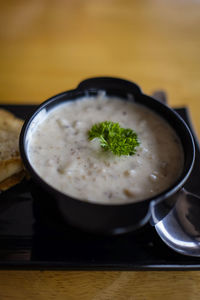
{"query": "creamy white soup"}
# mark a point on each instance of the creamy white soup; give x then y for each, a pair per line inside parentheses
(60, 152)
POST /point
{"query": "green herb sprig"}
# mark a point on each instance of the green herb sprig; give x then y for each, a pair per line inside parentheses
(112, 137)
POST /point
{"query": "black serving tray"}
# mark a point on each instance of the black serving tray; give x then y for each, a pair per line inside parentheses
(27, 243)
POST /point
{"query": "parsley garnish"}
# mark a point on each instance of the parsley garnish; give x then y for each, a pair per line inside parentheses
(112, 137)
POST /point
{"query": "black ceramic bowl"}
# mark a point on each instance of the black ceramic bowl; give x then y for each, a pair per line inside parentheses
(109, 219)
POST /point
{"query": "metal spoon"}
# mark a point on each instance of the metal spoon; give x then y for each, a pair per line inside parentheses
(180, 228)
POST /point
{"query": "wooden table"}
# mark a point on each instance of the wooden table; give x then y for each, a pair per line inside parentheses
(50, 46)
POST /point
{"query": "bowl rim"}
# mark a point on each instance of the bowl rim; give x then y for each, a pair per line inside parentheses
(84, 90)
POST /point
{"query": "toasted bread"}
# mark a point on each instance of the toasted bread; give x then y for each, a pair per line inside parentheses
(10, 161)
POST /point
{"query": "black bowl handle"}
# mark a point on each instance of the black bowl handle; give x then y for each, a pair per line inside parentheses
(110, 83)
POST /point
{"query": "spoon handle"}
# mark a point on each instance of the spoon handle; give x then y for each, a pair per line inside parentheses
(160, 95)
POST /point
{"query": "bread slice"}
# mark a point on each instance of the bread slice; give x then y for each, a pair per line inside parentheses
(10, 161)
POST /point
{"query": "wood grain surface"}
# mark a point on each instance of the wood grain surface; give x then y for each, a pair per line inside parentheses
(50, 46)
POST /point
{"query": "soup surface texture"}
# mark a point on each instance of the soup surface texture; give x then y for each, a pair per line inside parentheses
(60, 152)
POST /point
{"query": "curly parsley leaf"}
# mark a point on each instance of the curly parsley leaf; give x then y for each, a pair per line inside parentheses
(112, 137)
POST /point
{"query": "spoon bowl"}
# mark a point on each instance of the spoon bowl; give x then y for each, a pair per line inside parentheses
(180, 229)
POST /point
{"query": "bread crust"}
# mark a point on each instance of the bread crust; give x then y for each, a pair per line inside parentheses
(11, 181)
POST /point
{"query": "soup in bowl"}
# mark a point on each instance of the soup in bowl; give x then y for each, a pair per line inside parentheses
(96, 184)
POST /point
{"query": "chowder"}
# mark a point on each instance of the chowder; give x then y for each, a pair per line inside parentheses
(60, 152)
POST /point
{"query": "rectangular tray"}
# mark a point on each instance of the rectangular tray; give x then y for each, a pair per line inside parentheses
(27, 244)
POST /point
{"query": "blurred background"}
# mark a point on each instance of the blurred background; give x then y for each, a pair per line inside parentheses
(48, 46)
